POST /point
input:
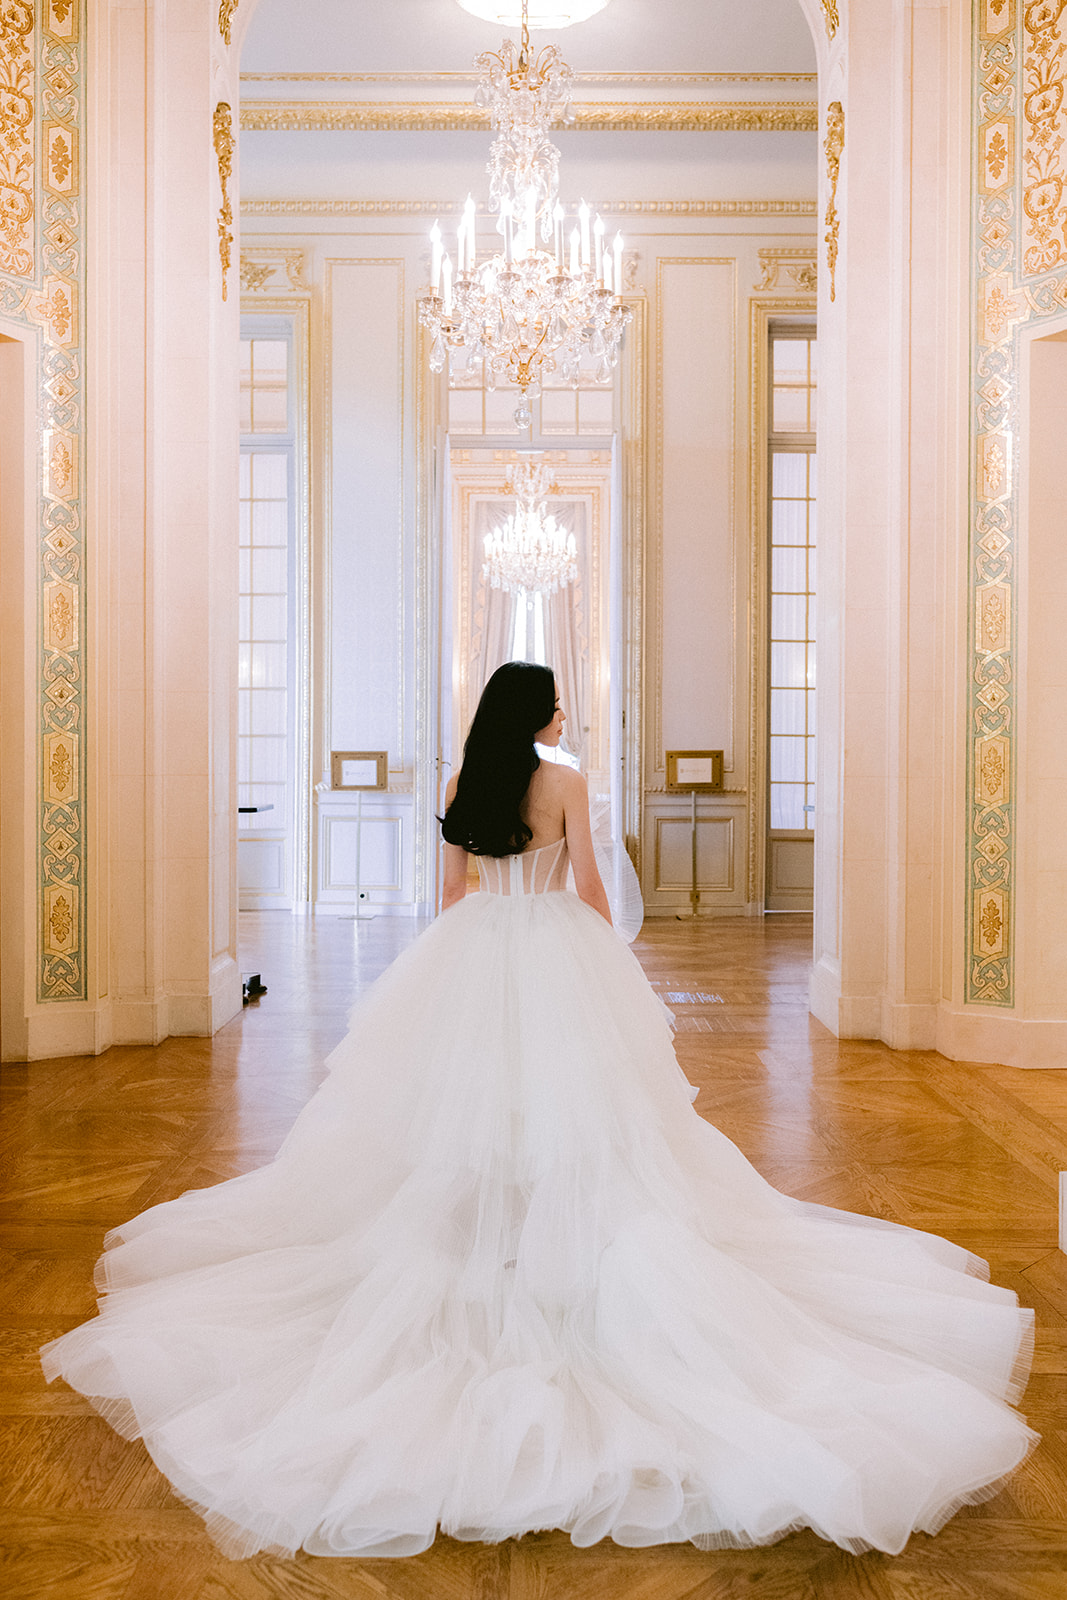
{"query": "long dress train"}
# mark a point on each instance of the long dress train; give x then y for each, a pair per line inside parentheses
(502, 1277)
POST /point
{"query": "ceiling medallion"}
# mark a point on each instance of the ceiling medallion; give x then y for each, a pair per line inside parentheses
(526, 311)
(529, 553)
(542, 13)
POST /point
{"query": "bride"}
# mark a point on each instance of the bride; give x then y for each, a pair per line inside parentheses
(502, 1277)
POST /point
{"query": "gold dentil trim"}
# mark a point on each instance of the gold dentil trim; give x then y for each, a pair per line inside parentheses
(444, 208)
(682, 116)
(650, 79)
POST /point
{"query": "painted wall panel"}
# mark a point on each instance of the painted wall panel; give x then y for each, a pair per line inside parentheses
(365, 320)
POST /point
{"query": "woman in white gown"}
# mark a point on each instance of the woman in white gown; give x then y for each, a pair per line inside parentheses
(502, 1277)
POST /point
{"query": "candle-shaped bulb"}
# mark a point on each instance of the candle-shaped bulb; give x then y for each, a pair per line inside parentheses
(468, 224)
(598, 235)
(583, 222)
(435, 261)
(575, 246)
(505, 222)
(618, 263)
(446, 269)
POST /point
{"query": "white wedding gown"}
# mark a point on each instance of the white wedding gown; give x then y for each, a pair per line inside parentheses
(502, 1277)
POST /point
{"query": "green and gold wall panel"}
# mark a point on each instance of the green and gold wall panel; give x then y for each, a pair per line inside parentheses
(1020, 276)
(42, 260)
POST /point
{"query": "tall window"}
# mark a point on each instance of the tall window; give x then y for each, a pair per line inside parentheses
(792, 579)
(267, 663)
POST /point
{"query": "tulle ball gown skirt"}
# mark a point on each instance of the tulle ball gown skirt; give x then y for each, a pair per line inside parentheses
(502, 1277)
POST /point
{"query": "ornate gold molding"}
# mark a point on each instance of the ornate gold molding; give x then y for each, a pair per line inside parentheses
(647, 79)
(226, 12)
(224, 148)
(282, 264)
(830, 17)
(799, 266)
(682, 116)
(444, 208)
(833, 145)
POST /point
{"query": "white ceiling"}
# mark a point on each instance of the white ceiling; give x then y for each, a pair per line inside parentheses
(438, 35)
(331, 40)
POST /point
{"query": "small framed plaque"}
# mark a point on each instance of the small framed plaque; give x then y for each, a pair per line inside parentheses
(359, 769)
(699, 770)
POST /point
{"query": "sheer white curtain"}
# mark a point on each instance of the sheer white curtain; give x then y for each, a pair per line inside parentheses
(493, 610)
(567, 635)
(566, 631)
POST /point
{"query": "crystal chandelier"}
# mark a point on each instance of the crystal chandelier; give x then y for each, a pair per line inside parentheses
(529, 552)
(527, 311)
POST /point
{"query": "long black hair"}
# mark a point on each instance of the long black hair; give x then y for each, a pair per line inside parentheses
(499, 760)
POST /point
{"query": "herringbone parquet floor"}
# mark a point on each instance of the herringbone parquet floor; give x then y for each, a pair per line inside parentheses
(972, 1152)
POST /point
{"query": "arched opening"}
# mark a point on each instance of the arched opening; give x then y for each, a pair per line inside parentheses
(342, 177)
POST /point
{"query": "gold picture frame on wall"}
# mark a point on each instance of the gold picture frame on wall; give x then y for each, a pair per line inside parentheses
(698, 771)
(359, 769)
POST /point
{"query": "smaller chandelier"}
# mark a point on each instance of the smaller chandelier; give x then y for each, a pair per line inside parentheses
(529, 552)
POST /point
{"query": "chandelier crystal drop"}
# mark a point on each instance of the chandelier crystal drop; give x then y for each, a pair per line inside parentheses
(522, 96)
(529, 552)
(527, 312)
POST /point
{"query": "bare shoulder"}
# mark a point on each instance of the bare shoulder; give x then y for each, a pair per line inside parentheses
(561, 781)
(572, 784)
(450, 788)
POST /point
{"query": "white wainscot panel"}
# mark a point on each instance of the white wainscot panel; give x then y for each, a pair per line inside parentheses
(261, 874)
(386, 862)
(378, 840)
(793, 865)
(668, 861)
(674, 854)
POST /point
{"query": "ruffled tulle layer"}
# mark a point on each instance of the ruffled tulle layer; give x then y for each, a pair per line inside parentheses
(501, 1277)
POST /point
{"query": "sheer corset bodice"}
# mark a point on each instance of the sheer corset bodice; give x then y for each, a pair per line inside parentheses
(532, 872)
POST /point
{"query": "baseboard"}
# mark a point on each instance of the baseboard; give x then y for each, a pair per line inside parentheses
(824, 993)
(65, 1029)
(976, 1033)
(909, 1027)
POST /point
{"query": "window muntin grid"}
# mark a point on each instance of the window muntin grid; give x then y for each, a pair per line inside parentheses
(264, 386)
(793, 496)
(264, 646)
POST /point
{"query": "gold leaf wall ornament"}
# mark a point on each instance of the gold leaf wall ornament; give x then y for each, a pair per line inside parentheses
(833, 145)
(17, 139)
(57, 310)
(799, 266)
(60, 769)
(60, 920)
(1044, 174)
(61, 617)
(991, 923)
(255, 274)
(222, 127)
(227, 9)
(830, 17)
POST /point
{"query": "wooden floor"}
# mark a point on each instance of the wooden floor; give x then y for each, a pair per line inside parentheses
(970, 1152)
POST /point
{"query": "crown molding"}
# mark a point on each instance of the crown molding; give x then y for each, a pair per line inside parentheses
(654, 80)
(443, 208)
(724, 116)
